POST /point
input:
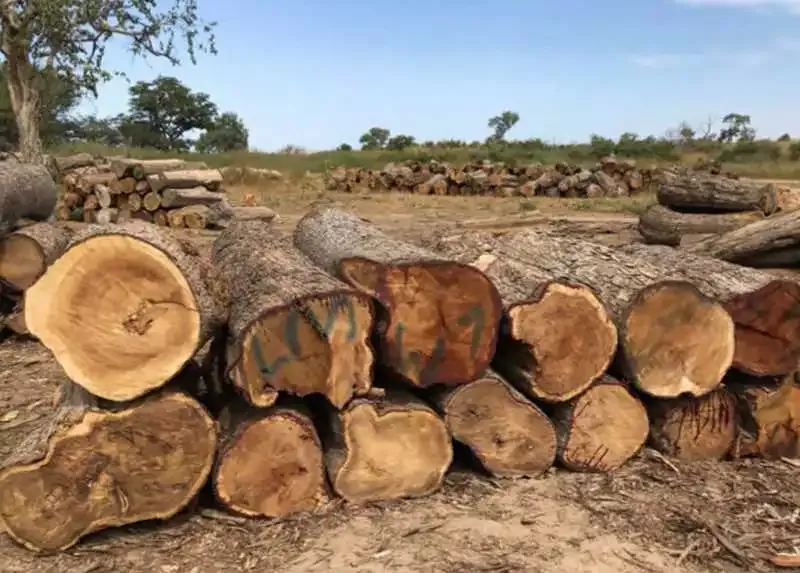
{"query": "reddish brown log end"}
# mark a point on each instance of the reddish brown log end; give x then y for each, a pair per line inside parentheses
(443, 317)
(767, 329)
(675, 340)
(318, 345)
(566, 341)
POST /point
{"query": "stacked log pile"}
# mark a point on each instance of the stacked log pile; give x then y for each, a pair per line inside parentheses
(167, 192)
(268, 370)
(611, 177)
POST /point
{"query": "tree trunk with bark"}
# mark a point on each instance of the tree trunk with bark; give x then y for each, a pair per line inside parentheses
(713, 194)
(125, 307)
(601, 429)
(24, 96)
(26, 253)
(557, 336)
(90, 467)
(694, 429)
(660, 225)
(26, 192)
(508, 434)
(673, 339)
(292, 327)
(270, 461)
(441, 317)
(387, 445)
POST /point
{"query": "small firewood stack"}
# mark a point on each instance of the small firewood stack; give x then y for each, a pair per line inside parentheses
(168, 192)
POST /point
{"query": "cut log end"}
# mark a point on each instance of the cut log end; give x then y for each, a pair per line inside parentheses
(567, 341)
(769, 414)
(389, 451)
(767, 329)
(319, 345)
(117, 313)
(110, 469)
(601, 429)
(22, 261)
(508, 435)
(443, 317)
(273, 466)
(694, 429)
(676, 341)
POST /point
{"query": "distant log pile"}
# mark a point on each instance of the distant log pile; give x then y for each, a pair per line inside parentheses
(168, 192)
(611, 177)
(342, 363)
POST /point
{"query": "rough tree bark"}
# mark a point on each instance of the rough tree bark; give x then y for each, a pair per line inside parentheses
(125, 307)
(384, 446)
(442, 317)
(557, 336)
(710, 193)
(660, 225)
(673, 339)
(26, 253)
(89, 468)
(26, 191)
(22, 90)
(293, 327)
(509, 435)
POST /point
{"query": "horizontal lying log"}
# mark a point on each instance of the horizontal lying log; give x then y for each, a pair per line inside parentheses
(694, 429)
(27, 191)
(139, 169)
(765, 309)
(270, 461)
(662, 226)
(601, 429)
(673, 339)
(387, 446)
(124, 308)
(442, 317)
(26, 253)
(557, 336)
(88, 468)
(172, 198)
(71, 162)
(509, 435)
(185, 179)
(293, 328)
(711, 193)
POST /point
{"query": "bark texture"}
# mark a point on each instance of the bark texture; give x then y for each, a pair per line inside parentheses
(27, 191)
(442, 317)
(660, 225)
(26, 253)
(185, 179)
(711, 193)
(292, 326)
(125, 307)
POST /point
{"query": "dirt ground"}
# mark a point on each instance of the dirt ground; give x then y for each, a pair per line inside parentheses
(652, 515)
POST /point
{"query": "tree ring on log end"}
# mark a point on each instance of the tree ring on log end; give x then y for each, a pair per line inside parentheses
(509, 435)
(676, 340)
(317, 345)
(443, 318)
(607, 427)
(22, 261)
(117, 313)
(569, 337)
(767, 329)
(110, 469)
(272, 467)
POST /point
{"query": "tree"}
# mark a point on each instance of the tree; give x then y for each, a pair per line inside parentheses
(375, 138)
(68, 38)
(785, 137)
(502, 124)
(163, 110)
(227, 133)
(400, 142)
(345, 147)
(737, 128)
(93, 129)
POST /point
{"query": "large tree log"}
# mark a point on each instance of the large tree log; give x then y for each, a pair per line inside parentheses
(171, 198)
(26, 253)
(270, 461)
(748, 242)
(710, 193)
(186, 179)
(89, 468)
(673, 339)
(508, 435)
(557, 336)
(442, 317)
(386, 447)
(71, 162)
(694, 429)
(601, 429)
(139, 169)
(27, 191)
(662, 226)
(125, 308)
(293, 327)
(764, 308)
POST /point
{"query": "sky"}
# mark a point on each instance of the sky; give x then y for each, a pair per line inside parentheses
(317, 73)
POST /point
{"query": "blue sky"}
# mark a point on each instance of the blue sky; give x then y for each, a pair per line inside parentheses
(316, 73)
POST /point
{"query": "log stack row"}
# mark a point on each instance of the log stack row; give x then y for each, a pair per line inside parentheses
(611, 177)
(286, 371)
(167, 192)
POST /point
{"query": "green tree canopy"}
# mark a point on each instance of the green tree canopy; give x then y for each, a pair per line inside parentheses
(227, 133)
